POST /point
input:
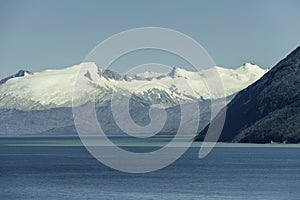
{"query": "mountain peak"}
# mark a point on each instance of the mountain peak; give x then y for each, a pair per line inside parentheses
(179, 72)
(173, 72)
(249, 66)
(20, 73)
(23, 72)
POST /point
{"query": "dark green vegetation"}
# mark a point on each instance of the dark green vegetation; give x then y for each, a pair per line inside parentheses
(268, 110)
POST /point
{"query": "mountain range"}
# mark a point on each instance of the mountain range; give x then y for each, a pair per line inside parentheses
(41, 103)
(54, 88)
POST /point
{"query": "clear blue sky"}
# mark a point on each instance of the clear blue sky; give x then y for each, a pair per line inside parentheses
(37, 35)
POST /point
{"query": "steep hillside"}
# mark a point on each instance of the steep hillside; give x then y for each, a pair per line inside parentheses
(268, 110)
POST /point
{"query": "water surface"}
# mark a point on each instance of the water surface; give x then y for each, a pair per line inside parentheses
(60, 168)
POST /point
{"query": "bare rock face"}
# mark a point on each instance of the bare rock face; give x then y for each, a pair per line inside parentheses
(18, 74)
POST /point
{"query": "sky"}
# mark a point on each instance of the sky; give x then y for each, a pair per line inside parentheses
(37, 35)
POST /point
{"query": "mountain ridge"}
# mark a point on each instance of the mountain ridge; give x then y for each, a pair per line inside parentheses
(54, 88)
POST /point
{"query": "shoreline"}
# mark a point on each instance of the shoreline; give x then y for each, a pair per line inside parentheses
(124, 141)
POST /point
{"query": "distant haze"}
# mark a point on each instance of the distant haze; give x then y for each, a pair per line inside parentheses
(37, 35)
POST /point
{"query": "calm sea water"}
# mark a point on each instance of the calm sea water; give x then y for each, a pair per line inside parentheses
(39, 169)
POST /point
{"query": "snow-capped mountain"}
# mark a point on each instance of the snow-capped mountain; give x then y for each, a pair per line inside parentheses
(54, 88)
(41, 102)
(18, 74)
